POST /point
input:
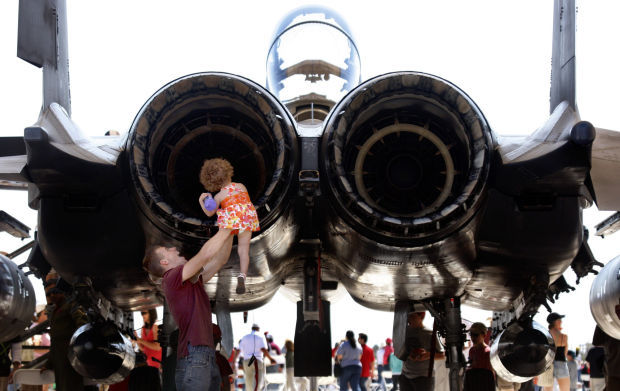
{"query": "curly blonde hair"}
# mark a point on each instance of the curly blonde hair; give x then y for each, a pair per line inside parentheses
(215, 173)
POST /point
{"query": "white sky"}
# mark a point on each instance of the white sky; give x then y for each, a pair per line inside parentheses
(498, 52)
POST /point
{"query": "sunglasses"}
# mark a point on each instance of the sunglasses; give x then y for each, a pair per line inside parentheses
(144, 312)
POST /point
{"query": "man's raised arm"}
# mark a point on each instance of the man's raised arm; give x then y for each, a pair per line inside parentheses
(206, 253)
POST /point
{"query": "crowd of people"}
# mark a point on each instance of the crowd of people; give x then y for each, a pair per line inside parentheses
(410, 367)
(413, 366)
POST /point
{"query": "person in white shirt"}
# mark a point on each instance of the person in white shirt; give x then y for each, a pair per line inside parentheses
(380, 367)
(253, 348)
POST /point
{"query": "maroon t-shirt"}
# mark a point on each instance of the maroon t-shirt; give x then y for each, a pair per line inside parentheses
(190, 308)
(480, 357)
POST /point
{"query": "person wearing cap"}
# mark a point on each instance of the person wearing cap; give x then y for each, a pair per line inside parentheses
(416, 355)
(560, 368)
(253, 348)
(272, 345)
(65, 316)
(480, 375)
(387, 352)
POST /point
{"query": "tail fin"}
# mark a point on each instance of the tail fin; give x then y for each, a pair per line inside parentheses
(563, 55)
(42, 41)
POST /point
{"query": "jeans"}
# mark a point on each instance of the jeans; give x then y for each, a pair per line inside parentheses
(395, 382)
(380, 378)
(197, 370)
(416, 384)
(363, 383)
(351, 374)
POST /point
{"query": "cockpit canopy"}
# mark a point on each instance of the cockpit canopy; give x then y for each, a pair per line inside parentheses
(312, 54)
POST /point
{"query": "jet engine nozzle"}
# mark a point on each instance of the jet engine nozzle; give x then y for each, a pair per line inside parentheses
(407, 156)
(605, 298)
(17, 300)
(100, 352)
(208, 115)
(522, 351)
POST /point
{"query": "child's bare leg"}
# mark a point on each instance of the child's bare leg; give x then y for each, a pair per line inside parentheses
(243, 249)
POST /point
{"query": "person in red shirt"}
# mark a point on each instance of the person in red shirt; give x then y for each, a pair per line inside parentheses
(368, 362)
(183, 286)
(388, 350)
(480, 374)
(148, 343)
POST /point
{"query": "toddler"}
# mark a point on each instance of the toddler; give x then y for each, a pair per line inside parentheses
(235, 211)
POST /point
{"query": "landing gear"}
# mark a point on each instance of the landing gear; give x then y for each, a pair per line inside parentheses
(168, 336)
(454, 333)
(312, 331)
(222, 312)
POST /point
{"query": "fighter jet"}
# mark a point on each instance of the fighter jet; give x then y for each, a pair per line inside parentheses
(395, 188)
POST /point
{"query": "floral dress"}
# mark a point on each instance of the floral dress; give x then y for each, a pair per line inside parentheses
(237, 211)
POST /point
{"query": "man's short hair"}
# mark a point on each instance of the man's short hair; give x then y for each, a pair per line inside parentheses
(363, 336)
(150, 263)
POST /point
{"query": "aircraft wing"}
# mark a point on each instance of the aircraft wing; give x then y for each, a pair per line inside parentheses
(605, 169)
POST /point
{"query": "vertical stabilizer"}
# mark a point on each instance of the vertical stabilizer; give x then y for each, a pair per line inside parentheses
(563, 54)
(42, 41)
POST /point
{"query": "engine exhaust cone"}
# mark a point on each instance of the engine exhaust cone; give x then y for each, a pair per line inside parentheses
(522, 351)
(17, 300)
(100, 352)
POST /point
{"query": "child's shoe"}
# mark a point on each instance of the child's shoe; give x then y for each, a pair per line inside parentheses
(240, 284)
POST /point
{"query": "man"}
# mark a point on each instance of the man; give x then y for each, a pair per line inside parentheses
(596, 359)
(253, 349)
(368, 362)
(183, 286)
(611, 347)
(65, 317)
(416, 355)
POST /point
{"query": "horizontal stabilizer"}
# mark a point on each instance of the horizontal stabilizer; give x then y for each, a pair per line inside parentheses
(13, 226)
(11, 169)
(12, 162)
(65, 135)
(605, 169)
